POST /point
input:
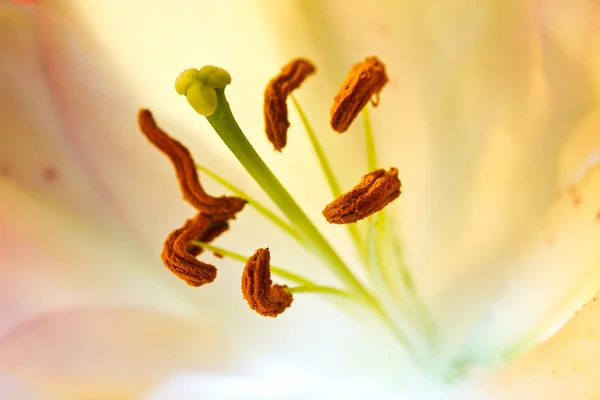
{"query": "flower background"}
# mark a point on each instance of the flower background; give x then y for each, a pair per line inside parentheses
(491, 115)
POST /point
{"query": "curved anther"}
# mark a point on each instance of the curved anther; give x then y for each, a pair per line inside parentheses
(179, 255)
(374, 191)
(363, 83)
(262, 295)
(219, 208)
(275, 107)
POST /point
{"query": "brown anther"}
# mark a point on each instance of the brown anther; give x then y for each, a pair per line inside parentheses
(219, 208)
(374, 191)
(214, 230)
(363, 83)
(275, 107)
(262, 295)
(180, 261)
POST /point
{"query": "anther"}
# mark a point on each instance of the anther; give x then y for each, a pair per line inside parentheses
(178, 258)
(375, 191)
(275, 108)
(215, 229)
(363, 83)
(262, 295)
(219, 208)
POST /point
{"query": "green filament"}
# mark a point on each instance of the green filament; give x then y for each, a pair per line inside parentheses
(369, 141)
(334, 185)
(254, 203)
(305, 285)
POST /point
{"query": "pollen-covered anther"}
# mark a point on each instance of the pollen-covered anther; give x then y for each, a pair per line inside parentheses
(219, 208)
(363, 83)
(179, 255)
(262, 295)
(275, 107)
(374, 191)
(215, 229)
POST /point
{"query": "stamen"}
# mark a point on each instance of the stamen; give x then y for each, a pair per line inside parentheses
(215, 229)
(176, 253)
(262, 295)
(219, 208)
(363, 83)
(258, 206)
(275, 107)
(374, 191)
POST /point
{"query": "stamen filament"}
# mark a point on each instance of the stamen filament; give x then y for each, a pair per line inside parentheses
(380, 270)
(258, 206)
(280, 272)
(319, 289)
(226, 126)
(411, 291)
(404, 322)
(369, 140)
(334, 185)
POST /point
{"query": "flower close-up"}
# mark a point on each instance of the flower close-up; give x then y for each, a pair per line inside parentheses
(263, 199)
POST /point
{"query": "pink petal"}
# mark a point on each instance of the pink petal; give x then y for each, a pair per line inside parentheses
(108, 352)
(52, 258)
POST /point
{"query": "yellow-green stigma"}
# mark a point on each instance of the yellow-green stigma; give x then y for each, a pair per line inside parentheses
(199, 87)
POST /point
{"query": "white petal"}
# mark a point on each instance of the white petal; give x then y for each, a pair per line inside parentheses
(564, 367)
(553, 272)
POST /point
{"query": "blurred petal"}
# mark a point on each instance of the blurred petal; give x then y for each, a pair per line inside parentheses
(52, 259)
(102, 353)
(553, 272)
(564, 367)
(33, 151)
(12, 388)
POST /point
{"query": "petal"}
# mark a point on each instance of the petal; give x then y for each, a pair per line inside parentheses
(14, 389)
(292, 383)
(32, 149)
(52, 258)
(564, 367)
(551, 274)
(100, 353)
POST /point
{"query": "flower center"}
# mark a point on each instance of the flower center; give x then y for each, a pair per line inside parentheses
(388, 293)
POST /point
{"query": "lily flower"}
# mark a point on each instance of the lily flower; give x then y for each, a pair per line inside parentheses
(462, 286)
